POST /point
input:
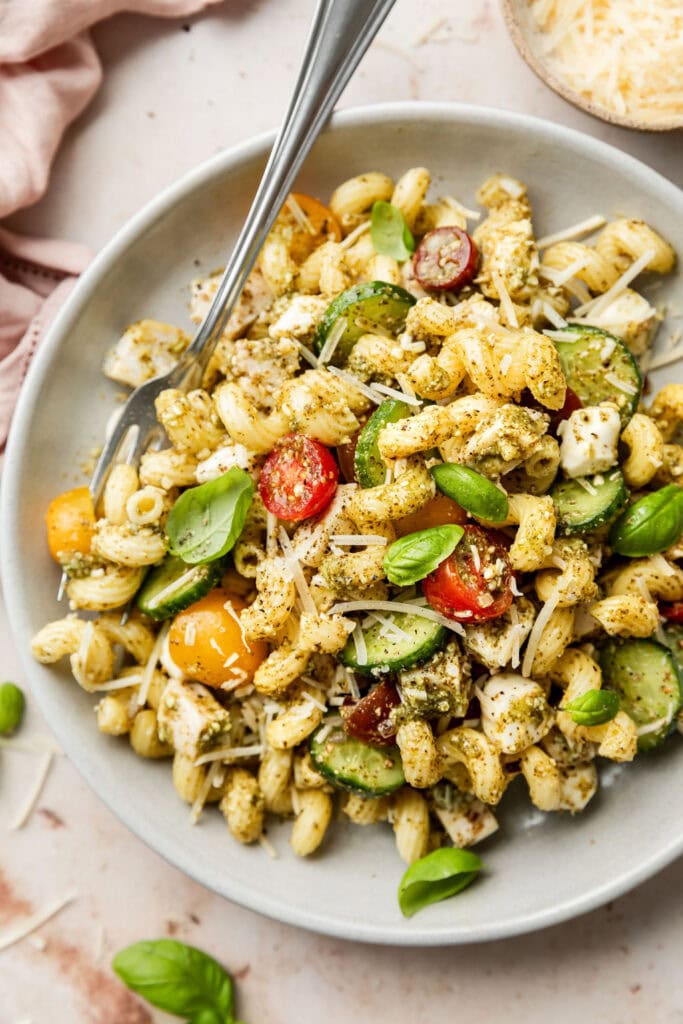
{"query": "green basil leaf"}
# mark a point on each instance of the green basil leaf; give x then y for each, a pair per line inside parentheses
(650, 525)
(178, 979)
(437, 876)
(206, 521)
(593, 707)
(414, 556)
(473, 491)
(11, 708)
(389, 232)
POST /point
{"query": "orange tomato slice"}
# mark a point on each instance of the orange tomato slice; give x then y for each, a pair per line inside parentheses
(70, 521)
(320, 226)
(204, 639)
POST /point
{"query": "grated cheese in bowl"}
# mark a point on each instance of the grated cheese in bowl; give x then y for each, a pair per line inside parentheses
(623, 57)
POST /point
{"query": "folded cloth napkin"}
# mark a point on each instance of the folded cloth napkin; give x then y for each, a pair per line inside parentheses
(49, 71)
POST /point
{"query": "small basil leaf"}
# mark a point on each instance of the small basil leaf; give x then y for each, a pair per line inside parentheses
(473, 491)
(437, 876)
(650, 525)
(389, 232)
(594, 707)
(206, 521)
(414, 556)
(178, 979)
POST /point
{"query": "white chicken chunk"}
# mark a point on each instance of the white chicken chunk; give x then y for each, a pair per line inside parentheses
(256, 297)
(465, 819)
(631, 317)
(589, 440)
(145, 350)
(191, 719)
(515, 713)
(225, 458)
(300, 318)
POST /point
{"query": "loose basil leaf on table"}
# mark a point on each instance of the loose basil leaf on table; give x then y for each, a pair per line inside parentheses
(414, 556)
(473, 491)
(594, 707)
(651, 524)
(206, 521)
(11, 708)
(179, 979)
(437, 876)
(389, 232)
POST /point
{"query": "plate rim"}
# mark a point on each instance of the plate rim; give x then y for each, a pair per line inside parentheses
(301, 916)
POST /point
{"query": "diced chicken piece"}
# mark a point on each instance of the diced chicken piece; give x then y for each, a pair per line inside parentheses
(300, 318)
(496, 643)
(439, 687)
(515, 713)
(256, 297)
(465, 819)
(589, 440)
(145, 350)
(578, 785)
(504, 439)
(631, 317)
(191, 719)
(226, 458)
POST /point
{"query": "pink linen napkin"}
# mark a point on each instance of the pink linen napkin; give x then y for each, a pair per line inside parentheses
(49, 71)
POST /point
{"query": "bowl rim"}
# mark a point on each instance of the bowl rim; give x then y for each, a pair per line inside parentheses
(301, 916)
(546, 75)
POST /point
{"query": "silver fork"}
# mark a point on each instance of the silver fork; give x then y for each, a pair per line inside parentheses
(340, 34)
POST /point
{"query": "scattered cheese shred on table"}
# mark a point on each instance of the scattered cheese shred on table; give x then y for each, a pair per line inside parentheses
(625, 55)
(15, 933)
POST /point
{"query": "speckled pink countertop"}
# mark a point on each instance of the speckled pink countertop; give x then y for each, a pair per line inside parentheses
(224, 77)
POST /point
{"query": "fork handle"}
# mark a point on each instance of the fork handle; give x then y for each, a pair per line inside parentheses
(341, 32)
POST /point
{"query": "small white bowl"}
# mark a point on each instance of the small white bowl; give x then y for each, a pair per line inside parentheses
(527, 38)
(539, 869)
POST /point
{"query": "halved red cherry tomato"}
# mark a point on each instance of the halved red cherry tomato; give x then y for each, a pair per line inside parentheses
(572, 402)
(369, 719)
(672, 612)
(473, 584)
(298, 478)
(446, 259)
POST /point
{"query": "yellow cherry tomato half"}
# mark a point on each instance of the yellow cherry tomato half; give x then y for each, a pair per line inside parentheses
(70, 521)
(438, 511)
(204, 638)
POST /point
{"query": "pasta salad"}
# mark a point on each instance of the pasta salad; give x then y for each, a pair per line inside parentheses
(417, 534)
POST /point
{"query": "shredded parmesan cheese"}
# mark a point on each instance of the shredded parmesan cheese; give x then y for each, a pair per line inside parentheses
(402, 396)
(152, 662)
(356, 383)
(204, 789)
(506, 303)
(596, 306)
(294, 566)
(332, 340)
(33, 794)
(536, 633)
(396, 606)
(20, 931)
(584, 227)
(230, 754)
(623, 55)
(551, 314)
(360, 646)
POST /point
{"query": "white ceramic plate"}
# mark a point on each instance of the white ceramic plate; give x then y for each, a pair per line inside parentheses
(540, 869)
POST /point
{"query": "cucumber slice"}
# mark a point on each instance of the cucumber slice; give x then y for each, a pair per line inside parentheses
(389, 651)
(369, 467)
(362, 309)
(673, 638)
(350, 764)
(646, 677)
(175, 585)
(578, 510)
(589, 358)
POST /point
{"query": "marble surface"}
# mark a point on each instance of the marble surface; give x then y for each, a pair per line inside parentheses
(173, 95)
